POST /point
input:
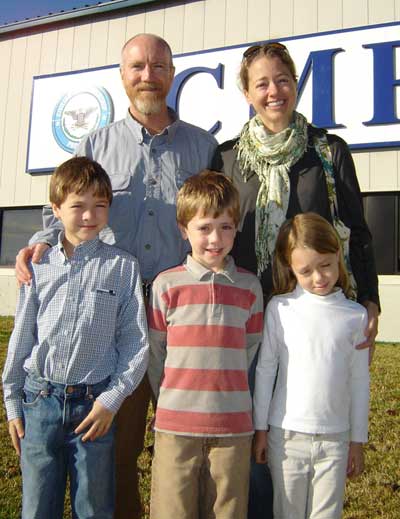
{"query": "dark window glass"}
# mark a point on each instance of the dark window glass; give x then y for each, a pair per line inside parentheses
(17, 227)
(382, 215)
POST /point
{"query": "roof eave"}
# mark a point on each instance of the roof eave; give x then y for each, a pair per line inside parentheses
(68, 15)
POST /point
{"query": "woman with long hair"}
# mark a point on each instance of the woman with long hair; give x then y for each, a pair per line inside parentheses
(282, 166)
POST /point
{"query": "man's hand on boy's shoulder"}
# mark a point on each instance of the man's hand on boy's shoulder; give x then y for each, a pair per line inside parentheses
(97, 422)
(17, 432)
(34, 252)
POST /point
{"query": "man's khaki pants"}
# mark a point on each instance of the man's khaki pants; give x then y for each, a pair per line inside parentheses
(131, 426)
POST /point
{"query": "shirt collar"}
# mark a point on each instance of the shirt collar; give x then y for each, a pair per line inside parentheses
(83, 251)
(329, 298)
(202, 273)
(140, 132)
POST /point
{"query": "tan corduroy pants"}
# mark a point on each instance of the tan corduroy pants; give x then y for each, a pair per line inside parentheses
(200, 478)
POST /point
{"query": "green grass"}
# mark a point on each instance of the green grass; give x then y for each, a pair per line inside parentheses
(376, 494)
(10, 481)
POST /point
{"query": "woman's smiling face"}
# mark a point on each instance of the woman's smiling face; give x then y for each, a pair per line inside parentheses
(272, 92)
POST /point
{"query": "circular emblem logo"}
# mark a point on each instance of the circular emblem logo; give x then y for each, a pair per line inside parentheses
(80, 112)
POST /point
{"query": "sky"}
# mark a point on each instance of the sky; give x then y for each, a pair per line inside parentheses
(17, 10)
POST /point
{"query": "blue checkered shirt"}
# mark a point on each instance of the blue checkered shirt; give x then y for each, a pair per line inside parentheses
(80, 321)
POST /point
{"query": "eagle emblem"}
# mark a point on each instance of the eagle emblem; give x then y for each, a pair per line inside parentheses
(80, 112)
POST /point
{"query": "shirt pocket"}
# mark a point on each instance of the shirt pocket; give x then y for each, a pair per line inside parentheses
(180, 176)
(101, 307)
(121, 223)
(122, 192)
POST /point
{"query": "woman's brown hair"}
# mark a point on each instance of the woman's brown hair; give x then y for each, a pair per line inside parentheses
(268, 50)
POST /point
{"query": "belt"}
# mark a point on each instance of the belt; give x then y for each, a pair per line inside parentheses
(146, 287)
(80, 389)
(36, 383)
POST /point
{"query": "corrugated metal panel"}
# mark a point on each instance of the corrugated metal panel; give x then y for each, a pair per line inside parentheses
(188, 26)
(100, 7)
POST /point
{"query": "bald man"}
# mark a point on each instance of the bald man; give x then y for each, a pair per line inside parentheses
(148, 155)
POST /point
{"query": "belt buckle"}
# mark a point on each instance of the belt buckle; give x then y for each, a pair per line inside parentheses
(146, 286)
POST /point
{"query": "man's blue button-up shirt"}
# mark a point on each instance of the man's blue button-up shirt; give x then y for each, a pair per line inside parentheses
(146, 173)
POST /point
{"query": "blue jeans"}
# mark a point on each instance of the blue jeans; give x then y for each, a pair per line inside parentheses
(50, 451)
(260, 488)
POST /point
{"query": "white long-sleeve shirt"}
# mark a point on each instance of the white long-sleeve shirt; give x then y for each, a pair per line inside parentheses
(323, 381)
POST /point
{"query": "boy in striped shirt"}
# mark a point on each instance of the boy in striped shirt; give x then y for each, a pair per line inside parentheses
(205, 324)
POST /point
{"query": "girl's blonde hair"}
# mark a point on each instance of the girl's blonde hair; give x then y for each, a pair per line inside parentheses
(305, 230)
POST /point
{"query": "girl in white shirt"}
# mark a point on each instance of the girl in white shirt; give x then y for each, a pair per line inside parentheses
(317, 415)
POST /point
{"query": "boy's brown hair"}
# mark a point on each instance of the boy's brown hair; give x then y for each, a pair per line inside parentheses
(305, 230)
(78, 175)
(210, 192)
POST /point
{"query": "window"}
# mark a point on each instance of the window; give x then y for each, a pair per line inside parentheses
(16, 228)
(382, 212)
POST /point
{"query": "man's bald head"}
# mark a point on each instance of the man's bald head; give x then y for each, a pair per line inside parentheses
(147, 74)
(145, 39)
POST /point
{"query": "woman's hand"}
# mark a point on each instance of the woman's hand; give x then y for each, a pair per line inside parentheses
(371, 331)
(260, 446)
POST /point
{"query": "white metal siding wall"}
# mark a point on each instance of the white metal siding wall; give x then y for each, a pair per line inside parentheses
(187, 26)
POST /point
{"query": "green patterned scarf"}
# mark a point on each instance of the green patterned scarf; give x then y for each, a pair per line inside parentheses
(270, 156)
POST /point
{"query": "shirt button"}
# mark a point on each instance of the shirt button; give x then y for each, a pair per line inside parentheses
(147, 246)
(151, 213)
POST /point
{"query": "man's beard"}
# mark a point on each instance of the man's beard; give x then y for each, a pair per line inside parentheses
(148, 102)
